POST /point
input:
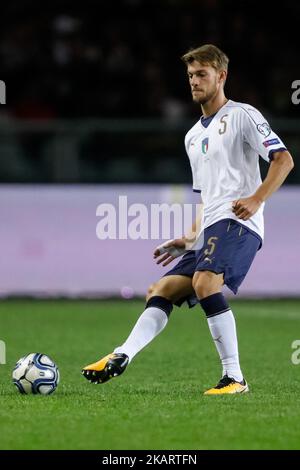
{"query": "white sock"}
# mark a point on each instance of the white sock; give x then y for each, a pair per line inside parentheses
(150, 324)
(223, 331)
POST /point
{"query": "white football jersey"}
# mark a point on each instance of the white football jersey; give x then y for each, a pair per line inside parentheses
(224, 158)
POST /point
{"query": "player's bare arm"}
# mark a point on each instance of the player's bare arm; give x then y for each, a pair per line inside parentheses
(280, 167)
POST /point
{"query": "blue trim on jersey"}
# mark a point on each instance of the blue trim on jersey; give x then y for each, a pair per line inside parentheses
(197, 190)
(205, 121)
(281, 149)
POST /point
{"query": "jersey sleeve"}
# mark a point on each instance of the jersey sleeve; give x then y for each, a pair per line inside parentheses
(194, 168)
(196, 185)
(259, 135)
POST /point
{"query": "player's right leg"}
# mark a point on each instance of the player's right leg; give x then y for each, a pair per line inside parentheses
(160, 299)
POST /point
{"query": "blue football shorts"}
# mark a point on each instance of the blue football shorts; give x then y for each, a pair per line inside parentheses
(228, 247)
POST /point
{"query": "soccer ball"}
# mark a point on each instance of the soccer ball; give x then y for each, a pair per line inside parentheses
(36, 373)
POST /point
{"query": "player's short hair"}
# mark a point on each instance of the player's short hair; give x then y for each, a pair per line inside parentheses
(208, 54)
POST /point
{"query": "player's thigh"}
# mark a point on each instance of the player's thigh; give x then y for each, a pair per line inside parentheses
(173, 287)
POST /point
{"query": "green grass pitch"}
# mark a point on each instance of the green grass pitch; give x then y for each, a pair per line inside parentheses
(158, 402)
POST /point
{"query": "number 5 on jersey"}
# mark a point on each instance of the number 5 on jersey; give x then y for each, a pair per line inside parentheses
(223, 122)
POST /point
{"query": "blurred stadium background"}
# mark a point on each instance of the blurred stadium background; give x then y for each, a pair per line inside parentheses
(98, 105)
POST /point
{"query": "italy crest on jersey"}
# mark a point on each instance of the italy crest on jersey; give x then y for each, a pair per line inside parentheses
(205, 145)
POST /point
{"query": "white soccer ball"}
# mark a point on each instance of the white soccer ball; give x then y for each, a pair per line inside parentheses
(36, 373)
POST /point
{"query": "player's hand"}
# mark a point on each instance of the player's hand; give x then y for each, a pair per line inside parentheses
(170, 250)
(246, 208)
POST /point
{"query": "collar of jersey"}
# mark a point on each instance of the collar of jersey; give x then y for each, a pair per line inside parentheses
(211, 117)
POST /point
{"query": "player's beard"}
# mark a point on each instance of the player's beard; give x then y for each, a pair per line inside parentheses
(203, 99)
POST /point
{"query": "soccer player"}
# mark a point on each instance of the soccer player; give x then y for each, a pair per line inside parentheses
(224, 148)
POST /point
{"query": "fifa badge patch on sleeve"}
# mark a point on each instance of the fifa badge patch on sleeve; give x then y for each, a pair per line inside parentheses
(264, 129)
(267, 143)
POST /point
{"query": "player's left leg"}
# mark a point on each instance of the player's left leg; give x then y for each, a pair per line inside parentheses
(221, 322)
(228, 251)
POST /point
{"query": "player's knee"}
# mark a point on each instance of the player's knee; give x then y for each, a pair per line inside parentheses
(156, 298)
(150, 291)
(206, 283)
(202, 287)
(162, 288)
